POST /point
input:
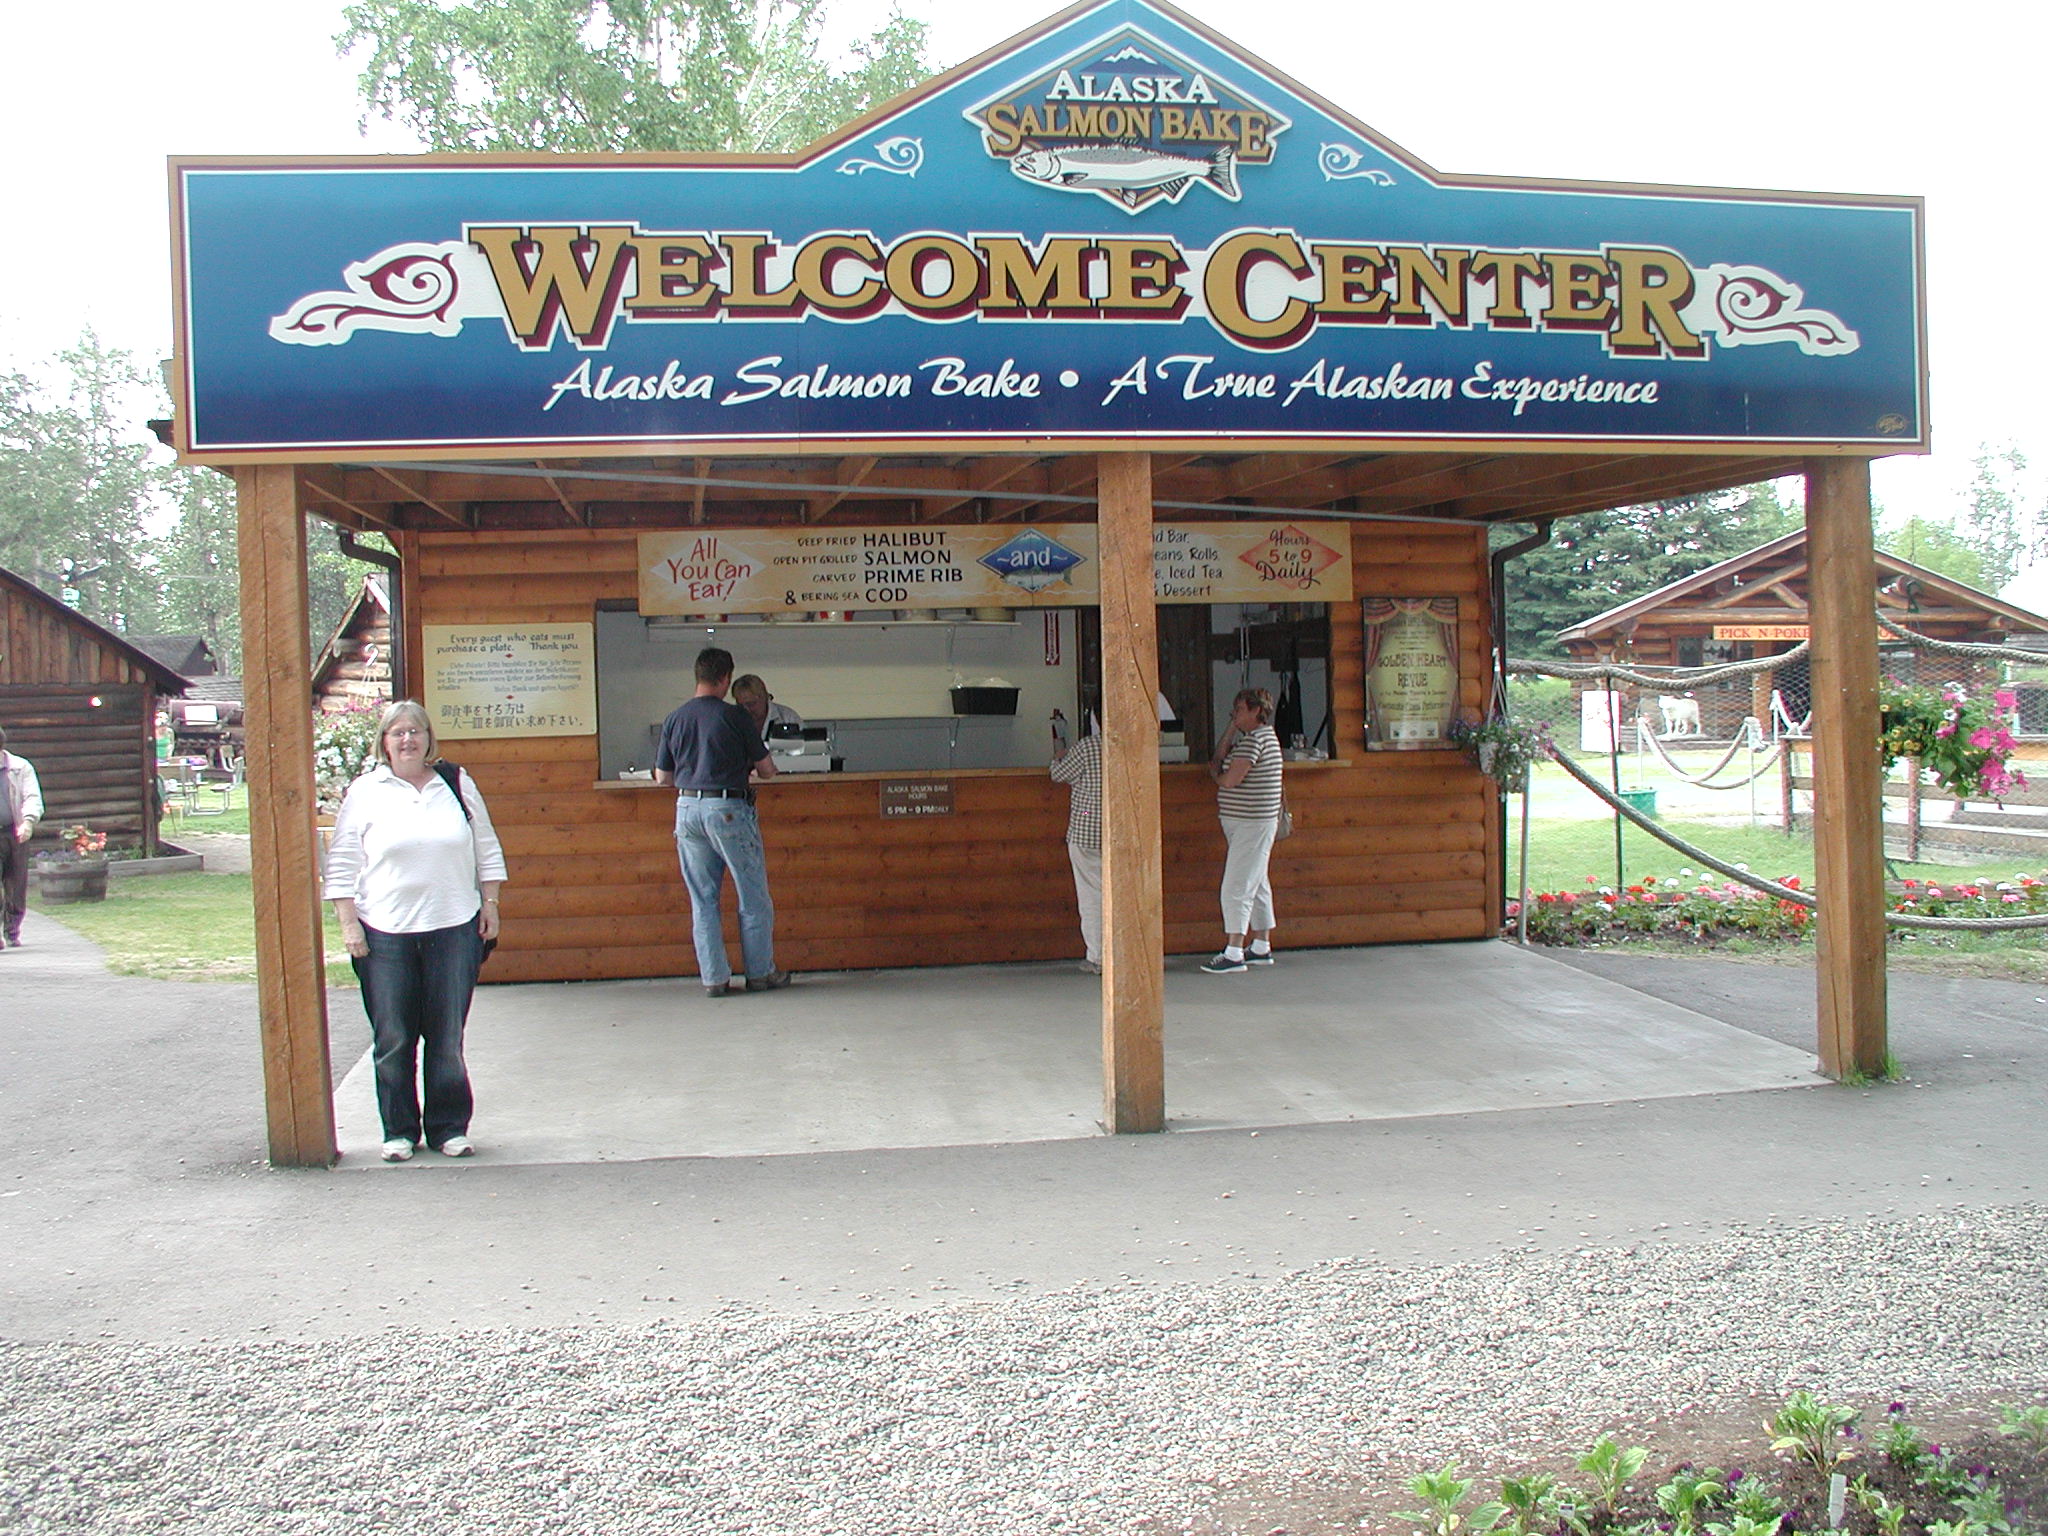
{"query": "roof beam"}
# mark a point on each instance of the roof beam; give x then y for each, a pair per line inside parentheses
(418, 493)
(384, 520)
(850, 473)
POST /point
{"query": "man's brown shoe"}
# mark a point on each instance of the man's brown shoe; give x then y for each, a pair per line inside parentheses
(769, 983)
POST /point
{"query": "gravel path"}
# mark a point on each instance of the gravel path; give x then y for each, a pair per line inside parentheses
(1090, 1410)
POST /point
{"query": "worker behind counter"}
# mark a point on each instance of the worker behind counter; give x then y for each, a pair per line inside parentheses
(752, 695)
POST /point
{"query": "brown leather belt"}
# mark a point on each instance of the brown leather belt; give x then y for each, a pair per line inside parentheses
(717, 794)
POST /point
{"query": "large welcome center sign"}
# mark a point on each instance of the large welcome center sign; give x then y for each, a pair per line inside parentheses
(1118, 228)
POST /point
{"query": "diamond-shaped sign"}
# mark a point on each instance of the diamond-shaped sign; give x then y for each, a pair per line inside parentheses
(1032, 561)
(1290, 556)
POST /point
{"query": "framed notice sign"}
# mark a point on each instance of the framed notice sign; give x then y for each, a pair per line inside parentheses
(1411, 671)
(516, 680)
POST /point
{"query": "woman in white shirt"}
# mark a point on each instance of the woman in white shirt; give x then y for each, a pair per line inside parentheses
(413, 873)
(1246, 768)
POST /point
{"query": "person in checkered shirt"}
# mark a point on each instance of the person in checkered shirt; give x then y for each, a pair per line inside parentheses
(1080, 769)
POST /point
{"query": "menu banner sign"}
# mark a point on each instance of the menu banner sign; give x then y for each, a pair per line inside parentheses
(528, 680)
(865, 570)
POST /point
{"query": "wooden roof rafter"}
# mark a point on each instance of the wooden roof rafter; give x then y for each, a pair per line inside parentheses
(312, 485)
(852, 472)
(418, 493)
(579, 517)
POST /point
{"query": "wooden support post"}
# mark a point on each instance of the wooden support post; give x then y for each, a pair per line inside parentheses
(1848, 789)
(291, 982)
(1133, 931)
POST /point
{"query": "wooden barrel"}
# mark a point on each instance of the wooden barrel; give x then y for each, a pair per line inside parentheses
(62, 881)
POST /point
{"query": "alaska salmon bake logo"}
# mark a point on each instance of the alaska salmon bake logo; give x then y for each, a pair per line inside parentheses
(1130, 121)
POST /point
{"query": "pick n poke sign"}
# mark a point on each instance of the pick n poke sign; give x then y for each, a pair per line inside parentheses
(1118, 227)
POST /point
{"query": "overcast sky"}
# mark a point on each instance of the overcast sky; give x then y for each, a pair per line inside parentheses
(1939, 100)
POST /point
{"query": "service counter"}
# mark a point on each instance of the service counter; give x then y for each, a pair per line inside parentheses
(1390, 846)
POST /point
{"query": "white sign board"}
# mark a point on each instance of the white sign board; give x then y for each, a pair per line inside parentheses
(516, 680)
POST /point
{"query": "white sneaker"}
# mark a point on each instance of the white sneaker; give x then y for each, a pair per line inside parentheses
(457, 1146)
(396, 1151)
(1091, 968)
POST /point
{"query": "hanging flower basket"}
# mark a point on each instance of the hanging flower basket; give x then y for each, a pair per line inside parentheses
(1504, 749)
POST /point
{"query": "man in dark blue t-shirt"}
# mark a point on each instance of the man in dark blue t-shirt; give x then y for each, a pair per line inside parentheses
(708, 749)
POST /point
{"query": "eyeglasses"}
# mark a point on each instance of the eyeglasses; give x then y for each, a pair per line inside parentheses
(400, 732)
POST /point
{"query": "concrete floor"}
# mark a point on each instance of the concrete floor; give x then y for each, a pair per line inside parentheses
(984, 1055)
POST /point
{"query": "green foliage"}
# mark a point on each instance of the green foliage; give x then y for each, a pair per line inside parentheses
(1528, 1503)
(1505, 747)
(2029, 1422)
(1601, 559)
(79, 480)
(1938, 547)
(94, 510)
(1690, 1493)
(344, 746)
(1889, 1515)
(1998, 526)
(1443, 1494)
(1746, 1525)
(1964, 742)
(1611, 1466)
(609, 75)
(1812, 1430)
(1753, 1499)
(1900, 1443)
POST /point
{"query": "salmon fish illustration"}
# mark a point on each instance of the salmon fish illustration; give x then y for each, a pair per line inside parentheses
(1128, 172)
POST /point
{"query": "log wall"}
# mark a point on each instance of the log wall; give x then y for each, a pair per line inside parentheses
(1389, 846)
(93, 761)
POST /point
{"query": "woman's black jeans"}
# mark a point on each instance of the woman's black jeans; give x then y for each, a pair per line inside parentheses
(416, 990)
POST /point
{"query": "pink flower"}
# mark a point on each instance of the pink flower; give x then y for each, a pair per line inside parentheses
(1983, 737)
(2005, 698)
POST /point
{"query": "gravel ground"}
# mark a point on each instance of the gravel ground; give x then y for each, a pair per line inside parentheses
(1095, 1409)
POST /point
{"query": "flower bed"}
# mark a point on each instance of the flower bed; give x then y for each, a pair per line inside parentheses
(1701, 910)
(1820, 1475)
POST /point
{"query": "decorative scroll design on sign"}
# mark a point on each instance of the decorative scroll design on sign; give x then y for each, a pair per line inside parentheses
(1340, 162)
(900, 156)
(416, 288)
(1749, 306)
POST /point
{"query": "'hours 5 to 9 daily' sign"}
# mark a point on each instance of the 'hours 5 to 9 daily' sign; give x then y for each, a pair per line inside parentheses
(853, 570)
(1117, 227)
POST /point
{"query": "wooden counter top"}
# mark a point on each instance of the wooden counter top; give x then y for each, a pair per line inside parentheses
(943, 773)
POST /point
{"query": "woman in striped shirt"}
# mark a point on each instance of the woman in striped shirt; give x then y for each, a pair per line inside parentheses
(1246, 768)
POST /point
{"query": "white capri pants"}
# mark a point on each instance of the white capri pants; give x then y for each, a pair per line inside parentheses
(1247, 893)
(1087, 864)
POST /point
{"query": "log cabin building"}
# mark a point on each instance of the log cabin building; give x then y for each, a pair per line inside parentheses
(1755, 604)
(923, 451)
(80, 702)
(353, 669)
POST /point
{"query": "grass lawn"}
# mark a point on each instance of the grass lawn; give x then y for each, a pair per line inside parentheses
(234, 819)
(183, 928)
(1563, 853)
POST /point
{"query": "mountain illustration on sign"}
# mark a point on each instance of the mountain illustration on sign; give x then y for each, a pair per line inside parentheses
(1128, 171)
(1032, 561)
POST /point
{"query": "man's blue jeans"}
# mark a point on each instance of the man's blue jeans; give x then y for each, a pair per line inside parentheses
(416, 990)
(713, 836)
